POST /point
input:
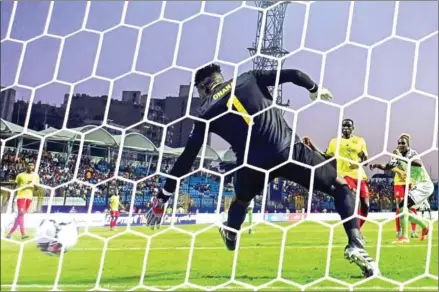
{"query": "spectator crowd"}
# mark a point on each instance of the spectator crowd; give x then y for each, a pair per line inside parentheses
(198, 192)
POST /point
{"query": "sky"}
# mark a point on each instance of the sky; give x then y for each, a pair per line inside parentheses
(394, 68)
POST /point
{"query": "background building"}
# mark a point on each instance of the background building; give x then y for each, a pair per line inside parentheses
(7, 100)
(90, 110)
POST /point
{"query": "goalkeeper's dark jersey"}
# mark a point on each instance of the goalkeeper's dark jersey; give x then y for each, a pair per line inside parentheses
(270, 133)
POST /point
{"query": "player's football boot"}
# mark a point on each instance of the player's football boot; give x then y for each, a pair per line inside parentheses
(228, 237)
(8, 236)
(25, 236)
(414, 235)
(401, 240)
(424, 234)
(362, 259)
(398, 234)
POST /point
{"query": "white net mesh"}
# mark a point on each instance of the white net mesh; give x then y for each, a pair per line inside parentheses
(372, 63)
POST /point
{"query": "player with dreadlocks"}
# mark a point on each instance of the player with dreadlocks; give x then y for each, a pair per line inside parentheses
(270, 144)
(421, 186)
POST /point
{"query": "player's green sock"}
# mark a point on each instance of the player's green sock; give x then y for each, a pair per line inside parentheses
(413, 219)
(250, 216)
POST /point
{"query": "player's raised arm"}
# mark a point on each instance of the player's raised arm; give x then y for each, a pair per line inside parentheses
(391, 165)
(297, 77)
(180, 168)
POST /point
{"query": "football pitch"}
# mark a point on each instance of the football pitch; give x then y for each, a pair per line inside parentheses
(304, 261)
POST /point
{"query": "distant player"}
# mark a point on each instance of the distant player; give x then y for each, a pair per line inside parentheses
(156, 220)
(27, 182)
(421, 189)
(250, 208)
(114, 207)
(354, 148)
(270, 143)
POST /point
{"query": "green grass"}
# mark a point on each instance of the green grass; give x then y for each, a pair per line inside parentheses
(304, 261)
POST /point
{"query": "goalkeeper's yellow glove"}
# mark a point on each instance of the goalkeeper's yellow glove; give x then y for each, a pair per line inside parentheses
(323, 93)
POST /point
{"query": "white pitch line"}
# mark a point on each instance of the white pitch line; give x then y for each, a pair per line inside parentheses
(243, 247)
(231, 287)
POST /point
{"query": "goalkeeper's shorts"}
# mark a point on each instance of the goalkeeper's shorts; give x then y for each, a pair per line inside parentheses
(250, 182)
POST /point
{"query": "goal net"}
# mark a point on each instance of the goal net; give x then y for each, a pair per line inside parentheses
(100, 96)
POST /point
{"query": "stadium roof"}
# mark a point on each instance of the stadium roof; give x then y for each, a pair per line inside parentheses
(11, 129)
(99, 136)
(136, 141)
(93, 135)
(227, 155)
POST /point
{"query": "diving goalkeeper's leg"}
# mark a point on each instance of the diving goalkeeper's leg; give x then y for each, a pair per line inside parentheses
(344, 201)
(327, 181)
(248, 182)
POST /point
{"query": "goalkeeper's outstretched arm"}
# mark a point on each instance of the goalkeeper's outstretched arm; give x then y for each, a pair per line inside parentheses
(266, 78)
(187, 158)
(180, 168)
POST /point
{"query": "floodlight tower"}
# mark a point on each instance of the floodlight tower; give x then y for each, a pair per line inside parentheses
(272, 42)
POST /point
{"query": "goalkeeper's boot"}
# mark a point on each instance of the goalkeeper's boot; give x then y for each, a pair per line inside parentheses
(24, 236)
(228, 237)
(361, 258)
(424, 234)
(8, 236)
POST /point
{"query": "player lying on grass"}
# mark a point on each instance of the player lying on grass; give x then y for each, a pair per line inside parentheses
(27, 182)
(354, 148)
(270, 143)
(421, 186)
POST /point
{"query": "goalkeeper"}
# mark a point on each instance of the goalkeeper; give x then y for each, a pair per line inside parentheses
(270, 143)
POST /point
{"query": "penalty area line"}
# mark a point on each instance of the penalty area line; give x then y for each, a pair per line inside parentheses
(241, 247)
(247, 247)
(229, 287)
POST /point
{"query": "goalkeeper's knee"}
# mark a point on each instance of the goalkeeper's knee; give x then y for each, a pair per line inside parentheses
(242, 203)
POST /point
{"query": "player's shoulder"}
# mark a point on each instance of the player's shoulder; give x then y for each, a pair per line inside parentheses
(334, 141)
(411, 153)
(359, 139)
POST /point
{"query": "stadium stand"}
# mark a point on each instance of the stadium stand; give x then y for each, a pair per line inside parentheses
(198, 193)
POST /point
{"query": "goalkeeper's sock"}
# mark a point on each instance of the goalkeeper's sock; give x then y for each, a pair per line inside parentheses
(413, 224)
(236, 215)
(397, 221)
(344, 201)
